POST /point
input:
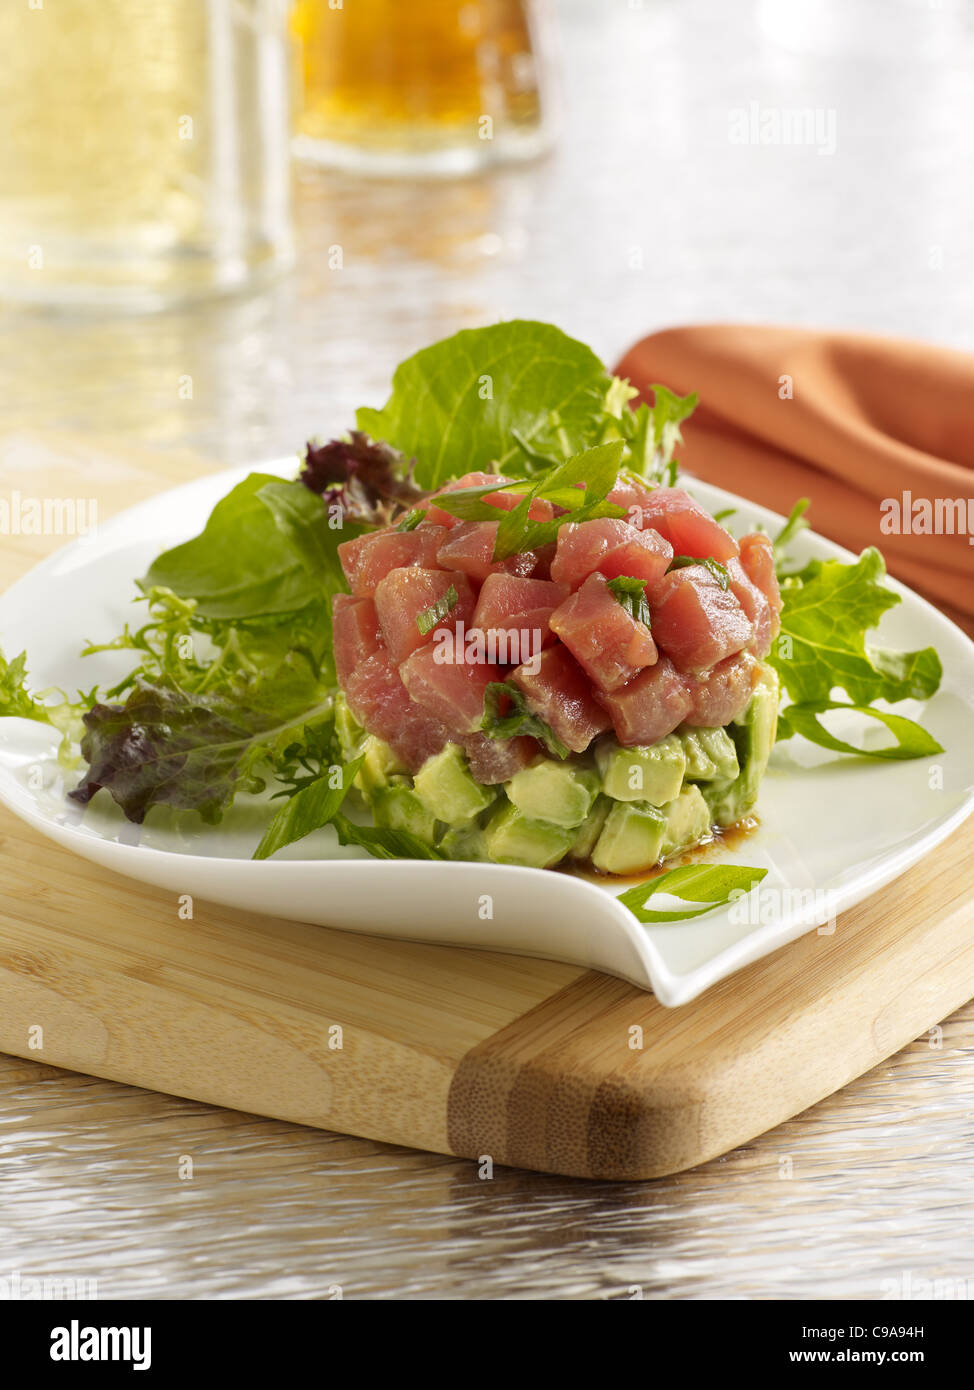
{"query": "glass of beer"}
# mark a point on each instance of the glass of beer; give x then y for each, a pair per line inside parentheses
(421, 86)
(145, 152)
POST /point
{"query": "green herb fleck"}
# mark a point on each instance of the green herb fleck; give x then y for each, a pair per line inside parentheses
(427, 620)
(518, 720)
(713, 566)
(631, 594)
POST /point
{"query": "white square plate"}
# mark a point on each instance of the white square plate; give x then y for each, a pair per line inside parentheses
(832, 829)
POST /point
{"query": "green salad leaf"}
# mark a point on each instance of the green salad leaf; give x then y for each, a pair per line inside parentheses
(242, 563)
(319, 802)
(63, 715)
(516, 398)
(311, 532)
(911, 739)
(313, 806)
(653, 432)
(716, 885)
(828, 609)
(15, 699)
(383, 842)
(454, 405)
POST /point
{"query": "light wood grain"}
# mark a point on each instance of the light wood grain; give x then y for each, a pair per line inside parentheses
(475, 1053)
(564, 1090)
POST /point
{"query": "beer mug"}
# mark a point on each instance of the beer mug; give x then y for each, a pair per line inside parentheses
(145, 151)
(421, 86)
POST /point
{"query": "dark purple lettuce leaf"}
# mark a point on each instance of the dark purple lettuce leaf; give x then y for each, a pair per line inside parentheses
(370, 480)
(165, 746)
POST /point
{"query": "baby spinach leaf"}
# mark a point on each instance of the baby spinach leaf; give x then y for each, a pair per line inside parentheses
(242, 564)
(456, 404)
(310, 531)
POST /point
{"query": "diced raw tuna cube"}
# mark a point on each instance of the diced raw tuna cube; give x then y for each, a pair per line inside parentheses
(723, 693)
(355, 632)
(367, 559)
(689, 528)
(583, 545)
(524, 605)
(755, 605)
(646, 556)
(504, 501)
(650, 706)
(560, 693)
(634, 497)
(494, 760)
(757, 557)
(405, 594)
(470, 547)
(603, 637)
(381, 703)
(695, 621)
(453, 691)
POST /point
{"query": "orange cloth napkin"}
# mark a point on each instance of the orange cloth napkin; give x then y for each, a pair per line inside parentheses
(846, 420)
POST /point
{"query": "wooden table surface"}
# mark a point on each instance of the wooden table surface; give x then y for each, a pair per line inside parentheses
(645, 216)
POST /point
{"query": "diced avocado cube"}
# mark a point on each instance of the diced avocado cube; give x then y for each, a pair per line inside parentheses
(347, 728)
(554, 792)
(631, 839)
(753, 734)
(447, 789)
(399, 808)
(700, 765)
(590, 829)
(465, 842)
(711, 755)
(515, 839)
(687, 821)
(654, 773)
(379, 764)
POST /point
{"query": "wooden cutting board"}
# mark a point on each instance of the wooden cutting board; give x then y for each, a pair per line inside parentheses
(483, 1055)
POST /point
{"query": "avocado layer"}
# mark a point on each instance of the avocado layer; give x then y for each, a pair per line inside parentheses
(624, 810)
